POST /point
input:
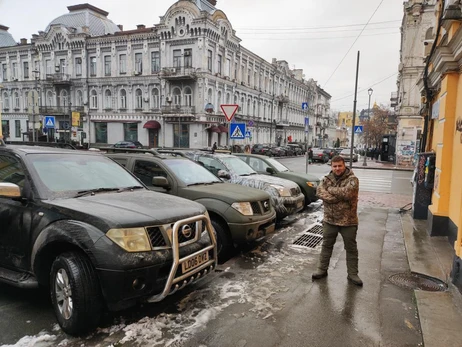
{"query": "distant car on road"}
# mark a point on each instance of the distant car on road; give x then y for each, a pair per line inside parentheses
(270, 166)
(128, 144)
(320, 155)
(345, 154)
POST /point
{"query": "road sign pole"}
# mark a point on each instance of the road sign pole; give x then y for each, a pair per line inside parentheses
(354, 113)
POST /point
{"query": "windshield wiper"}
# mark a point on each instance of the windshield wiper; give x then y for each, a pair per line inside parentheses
(93, 191)
(203, 183)
(129, 188)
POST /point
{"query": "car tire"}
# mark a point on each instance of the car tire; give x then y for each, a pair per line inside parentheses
(225, 245)
(75, 293)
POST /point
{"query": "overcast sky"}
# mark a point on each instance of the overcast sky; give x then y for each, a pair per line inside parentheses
(312, 35)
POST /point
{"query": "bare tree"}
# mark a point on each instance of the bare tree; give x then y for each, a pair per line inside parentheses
(381, 122)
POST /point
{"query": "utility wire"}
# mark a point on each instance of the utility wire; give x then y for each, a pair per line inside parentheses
(317, 28)
(349, 49)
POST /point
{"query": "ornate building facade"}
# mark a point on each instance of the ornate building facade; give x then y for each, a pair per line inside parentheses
(161, 85)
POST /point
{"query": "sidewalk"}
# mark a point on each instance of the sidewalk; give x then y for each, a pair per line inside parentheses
(379, 165)
(440, 313)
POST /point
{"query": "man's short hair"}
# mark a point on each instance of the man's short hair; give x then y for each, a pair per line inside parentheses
(338, 158)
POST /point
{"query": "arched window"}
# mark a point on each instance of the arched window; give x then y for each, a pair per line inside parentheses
(155, 98)
(16, 100)
(63, 98)
(177, 96)
(188, 97)
(218, 100)
(107, 99)
(50, 98)
(79, 99)
(254, 109)
(248, 107)
(138, 99)
(209, 95)
(26, 101)
(6, 101)
(123, 99)
(228, 98)
(94, 99)
(242, 105)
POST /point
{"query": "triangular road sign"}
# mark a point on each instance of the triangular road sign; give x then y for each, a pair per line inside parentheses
(229, 111)
(237, 132)
(49, 123)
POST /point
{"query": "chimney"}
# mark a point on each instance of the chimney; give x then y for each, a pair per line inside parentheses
(213, 2)
(141, 26)
(121, 27)
(3, 27)
(23, 41)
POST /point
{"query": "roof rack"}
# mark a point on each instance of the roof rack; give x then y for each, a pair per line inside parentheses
(223, 151)
(65, 145)
(171, 152)
(130, 150)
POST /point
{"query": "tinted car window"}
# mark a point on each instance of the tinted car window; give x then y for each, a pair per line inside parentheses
(11, 170)
(146, 170)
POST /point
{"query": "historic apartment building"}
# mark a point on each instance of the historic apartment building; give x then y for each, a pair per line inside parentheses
(417, 35)
(161, 85)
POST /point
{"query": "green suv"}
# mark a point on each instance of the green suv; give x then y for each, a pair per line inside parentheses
(238, 214)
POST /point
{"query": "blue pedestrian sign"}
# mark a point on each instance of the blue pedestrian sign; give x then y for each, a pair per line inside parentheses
(304, 106)
(237, 131)
(358, 129)
(307, 125)
(49, 122)
(248, 134)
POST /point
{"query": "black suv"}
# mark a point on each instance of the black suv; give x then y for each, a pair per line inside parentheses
(238, 214)
(84, 226)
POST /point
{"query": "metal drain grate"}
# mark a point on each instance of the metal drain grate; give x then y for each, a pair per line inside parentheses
(315, 229)
(418, 281)
(308, 240)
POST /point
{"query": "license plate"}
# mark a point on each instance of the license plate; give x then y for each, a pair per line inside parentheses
(194, 262)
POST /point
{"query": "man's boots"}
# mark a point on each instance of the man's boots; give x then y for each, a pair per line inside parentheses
(352, 268)
(319, 274)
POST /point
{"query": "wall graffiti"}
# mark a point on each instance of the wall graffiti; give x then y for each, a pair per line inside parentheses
(459, 127)
(405, 152)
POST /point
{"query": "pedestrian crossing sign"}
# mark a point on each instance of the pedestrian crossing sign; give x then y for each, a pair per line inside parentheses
(237, 131)
(358, 129)
(49, 122)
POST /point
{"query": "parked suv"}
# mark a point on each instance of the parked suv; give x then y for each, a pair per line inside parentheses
(286, 196)
(80, 224)
(238, 214)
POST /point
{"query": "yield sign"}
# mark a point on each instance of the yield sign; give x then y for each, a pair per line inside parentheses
(229, 111)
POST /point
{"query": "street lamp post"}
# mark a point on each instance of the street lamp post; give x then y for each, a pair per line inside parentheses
(369, 91)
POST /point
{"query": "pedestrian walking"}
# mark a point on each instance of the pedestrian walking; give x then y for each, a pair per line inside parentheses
(310, 155)
(339, 192)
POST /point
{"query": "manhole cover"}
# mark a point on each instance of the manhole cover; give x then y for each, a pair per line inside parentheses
(418, 281)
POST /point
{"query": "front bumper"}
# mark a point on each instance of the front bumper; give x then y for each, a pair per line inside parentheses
(159, 272)
(292, 205)
(250, 231)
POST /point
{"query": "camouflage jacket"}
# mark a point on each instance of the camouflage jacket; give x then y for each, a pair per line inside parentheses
(340, 198)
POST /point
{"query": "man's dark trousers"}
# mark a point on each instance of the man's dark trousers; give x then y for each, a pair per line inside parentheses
(330, 233)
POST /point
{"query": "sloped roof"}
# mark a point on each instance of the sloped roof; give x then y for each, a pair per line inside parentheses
(86, 15)
(6, 39)
(205, 5)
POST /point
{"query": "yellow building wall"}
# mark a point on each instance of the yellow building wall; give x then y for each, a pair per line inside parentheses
(345, 118)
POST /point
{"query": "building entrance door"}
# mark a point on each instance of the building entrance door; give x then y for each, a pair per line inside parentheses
(153, 138)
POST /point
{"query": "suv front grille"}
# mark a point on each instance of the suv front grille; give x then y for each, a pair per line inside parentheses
(255, 207)
(261, 207)
(266, 204)
(186, 234)
(156, 237)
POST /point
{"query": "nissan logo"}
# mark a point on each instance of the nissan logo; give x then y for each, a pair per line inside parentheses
(186, 231)
(265, 204)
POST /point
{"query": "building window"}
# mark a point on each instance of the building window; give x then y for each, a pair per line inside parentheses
(248, 77)
(177, 58)
(63, 98)
(101, 132)
(228, 67)
(219, 64)
(130, 131)
(62, 66)
(123, 64)
(25, 66)
(78, 66)
(6, 128)
(6, 101)
(49, 98)
(188, 97)
(176, 96)
(48, 68)
(16, 100)
(79, 98)
(155, 98)
(181, 135)
(123, 99)
(139, 63)
(188, 58)
(4, 73)
(107, 99)
(107, 65)
(155, 62)
(139, 99)
(235, 70)
(26, 101)
(17, 128)
(94, 99)
(15, 71)
(92, 66)
(209, 60)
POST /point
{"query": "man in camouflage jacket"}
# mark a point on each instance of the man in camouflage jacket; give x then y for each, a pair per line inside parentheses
(339, 192)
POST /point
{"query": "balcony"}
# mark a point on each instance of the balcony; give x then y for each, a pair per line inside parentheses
(178, 73)
(283, 99)
(59, 79)
(54, 110)
(178, 109)
(394, 99)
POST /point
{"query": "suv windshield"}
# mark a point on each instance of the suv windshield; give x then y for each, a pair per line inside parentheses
(64, 175)
(190, 173)
(277, 165)
(237, 166)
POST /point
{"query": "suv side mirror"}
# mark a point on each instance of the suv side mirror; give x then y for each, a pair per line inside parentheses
(224, 174)
(9, 190)
(160, 181)
(270, 170)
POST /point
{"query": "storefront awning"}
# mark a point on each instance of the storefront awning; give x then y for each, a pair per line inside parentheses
(152, 124)
(214, 129)
(223, 129)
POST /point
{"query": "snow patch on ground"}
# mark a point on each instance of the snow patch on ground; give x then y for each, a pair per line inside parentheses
(43, 339)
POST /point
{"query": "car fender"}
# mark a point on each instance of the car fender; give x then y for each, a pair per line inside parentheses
(214, 205)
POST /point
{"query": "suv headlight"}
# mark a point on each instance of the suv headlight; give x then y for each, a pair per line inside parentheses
(243, 207)
(130, 239)
(283, 191)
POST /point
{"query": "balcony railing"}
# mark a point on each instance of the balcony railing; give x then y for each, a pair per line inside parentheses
(176, 73)
(282, 98)
(178, 109)
(50, 110)
(59, 78)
